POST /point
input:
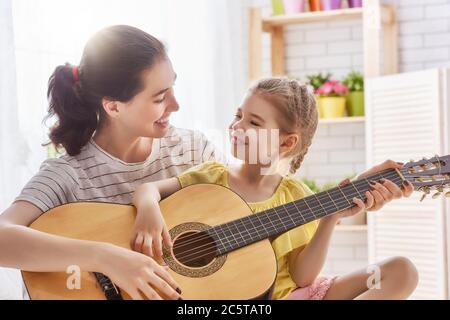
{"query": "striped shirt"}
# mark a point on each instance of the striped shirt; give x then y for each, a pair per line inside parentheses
(95, 175)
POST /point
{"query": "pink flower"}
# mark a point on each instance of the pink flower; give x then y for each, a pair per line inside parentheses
(332, 87)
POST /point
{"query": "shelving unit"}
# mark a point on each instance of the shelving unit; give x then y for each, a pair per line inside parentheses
(351, 228)
(377, 20)
(341, 120)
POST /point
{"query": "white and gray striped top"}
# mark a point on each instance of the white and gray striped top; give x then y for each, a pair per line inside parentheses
(95, 175)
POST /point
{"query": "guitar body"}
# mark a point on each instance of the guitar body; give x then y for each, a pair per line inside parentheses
(246, 273)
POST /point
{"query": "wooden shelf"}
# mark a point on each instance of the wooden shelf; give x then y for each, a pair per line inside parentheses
(351, 228)
(322, 16)
(307, 17)
(378, 20)
(342, 120)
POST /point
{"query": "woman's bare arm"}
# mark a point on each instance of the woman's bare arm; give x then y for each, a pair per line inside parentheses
(24, 248)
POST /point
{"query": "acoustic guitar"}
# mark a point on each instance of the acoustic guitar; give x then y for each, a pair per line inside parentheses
(221, 249)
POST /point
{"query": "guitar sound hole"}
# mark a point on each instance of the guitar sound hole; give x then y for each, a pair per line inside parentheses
(194, 249)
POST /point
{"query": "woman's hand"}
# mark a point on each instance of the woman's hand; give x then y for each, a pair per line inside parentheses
(140, 276)
(150, 231)
(380, 193)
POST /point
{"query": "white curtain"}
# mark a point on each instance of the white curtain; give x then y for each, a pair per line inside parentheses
(12, 147)
(204, 39)
(11, 144)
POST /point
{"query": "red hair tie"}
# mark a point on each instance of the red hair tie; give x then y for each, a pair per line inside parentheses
(76, 76)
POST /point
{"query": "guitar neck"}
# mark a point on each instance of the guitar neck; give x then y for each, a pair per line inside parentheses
(273, 222)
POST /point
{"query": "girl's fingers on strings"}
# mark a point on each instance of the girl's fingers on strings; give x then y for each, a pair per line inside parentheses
(370, 201)
(392, 188)
(378, 200)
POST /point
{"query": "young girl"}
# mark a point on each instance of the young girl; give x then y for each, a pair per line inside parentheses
(287, 106)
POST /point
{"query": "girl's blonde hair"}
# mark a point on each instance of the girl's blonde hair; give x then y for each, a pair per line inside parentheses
(298, 108)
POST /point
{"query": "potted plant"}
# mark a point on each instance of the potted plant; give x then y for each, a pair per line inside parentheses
(315, 5)
(331, 4)
(277, 7)
(354, 3)
(332, 99)
(294, 6)
(355, 98)
(316, 81)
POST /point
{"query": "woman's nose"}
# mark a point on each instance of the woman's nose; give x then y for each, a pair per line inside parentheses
(173, 105)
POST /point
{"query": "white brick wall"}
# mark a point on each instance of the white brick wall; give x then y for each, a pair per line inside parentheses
(338, 150)
(347, 253)
(424, 40)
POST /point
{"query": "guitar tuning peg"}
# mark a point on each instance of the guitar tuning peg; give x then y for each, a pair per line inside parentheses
(423, 197)
(436, 195)
(426, 190)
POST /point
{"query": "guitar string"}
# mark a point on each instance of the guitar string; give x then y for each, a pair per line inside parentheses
(287, 206)
(207, 252)
(250, 230)
(292, 204)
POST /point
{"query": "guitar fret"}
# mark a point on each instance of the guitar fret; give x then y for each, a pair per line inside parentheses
(231, 233)
(309, 208)
(238, 231)
(357, 191)
(218, 237)
(337, 208)
(345, 197)
(246, 230)
(288, 214)
(283, 226)
(318, 200)
(298, 212)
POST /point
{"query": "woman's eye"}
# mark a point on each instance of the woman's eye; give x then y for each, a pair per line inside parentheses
(253, 123)
(237, 116)
(160, 101)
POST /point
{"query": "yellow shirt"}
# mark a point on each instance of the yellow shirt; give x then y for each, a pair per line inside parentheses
(288, 191)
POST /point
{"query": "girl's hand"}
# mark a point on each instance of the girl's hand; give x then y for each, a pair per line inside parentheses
(386, 191)
(380, 193)
(140, 276)
(150, 231)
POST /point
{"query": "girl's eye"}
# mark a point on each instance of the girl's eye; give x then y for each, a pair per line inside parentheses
(253, 123)
(160, 101)
(237, 116)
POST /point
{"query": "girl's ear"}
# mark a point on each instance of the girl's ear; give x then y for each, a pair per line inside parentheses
(289, 142)
(111, 107)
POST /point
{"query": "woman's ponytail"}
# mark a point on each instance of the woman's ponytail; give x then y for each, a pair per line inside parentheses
(77, 120)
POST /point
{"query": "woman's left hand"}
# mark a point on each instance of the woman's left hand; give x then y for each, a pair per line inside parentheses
(380, 192)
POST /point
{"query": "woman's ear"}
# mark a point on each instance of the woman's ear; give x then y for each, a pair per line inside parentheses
(111, 107)
(288, 143)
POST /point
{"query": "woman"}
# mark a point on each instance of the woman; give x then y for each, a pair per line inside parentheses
(113, 121)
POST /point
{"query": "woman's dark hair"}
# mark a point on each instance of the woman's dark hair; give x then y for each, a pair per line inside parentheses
(111, 66)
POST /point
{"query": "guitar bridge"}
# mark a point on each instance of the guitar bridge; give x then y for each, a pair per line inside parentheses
(111, 291)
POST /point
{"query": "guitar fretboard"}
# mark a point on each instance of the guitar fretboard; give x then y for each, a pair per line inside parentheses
(273, 222)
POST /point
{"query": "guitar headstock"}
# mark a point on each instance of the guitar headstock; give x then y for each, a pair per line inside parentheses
(429, 175)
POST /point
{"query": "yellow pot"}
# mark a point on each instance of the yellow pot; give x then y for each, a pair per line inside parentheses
(319, 107)
(332, 107)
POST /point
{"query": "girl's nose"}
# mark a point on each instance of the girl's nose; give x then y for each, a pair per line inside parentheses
(237, 125)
